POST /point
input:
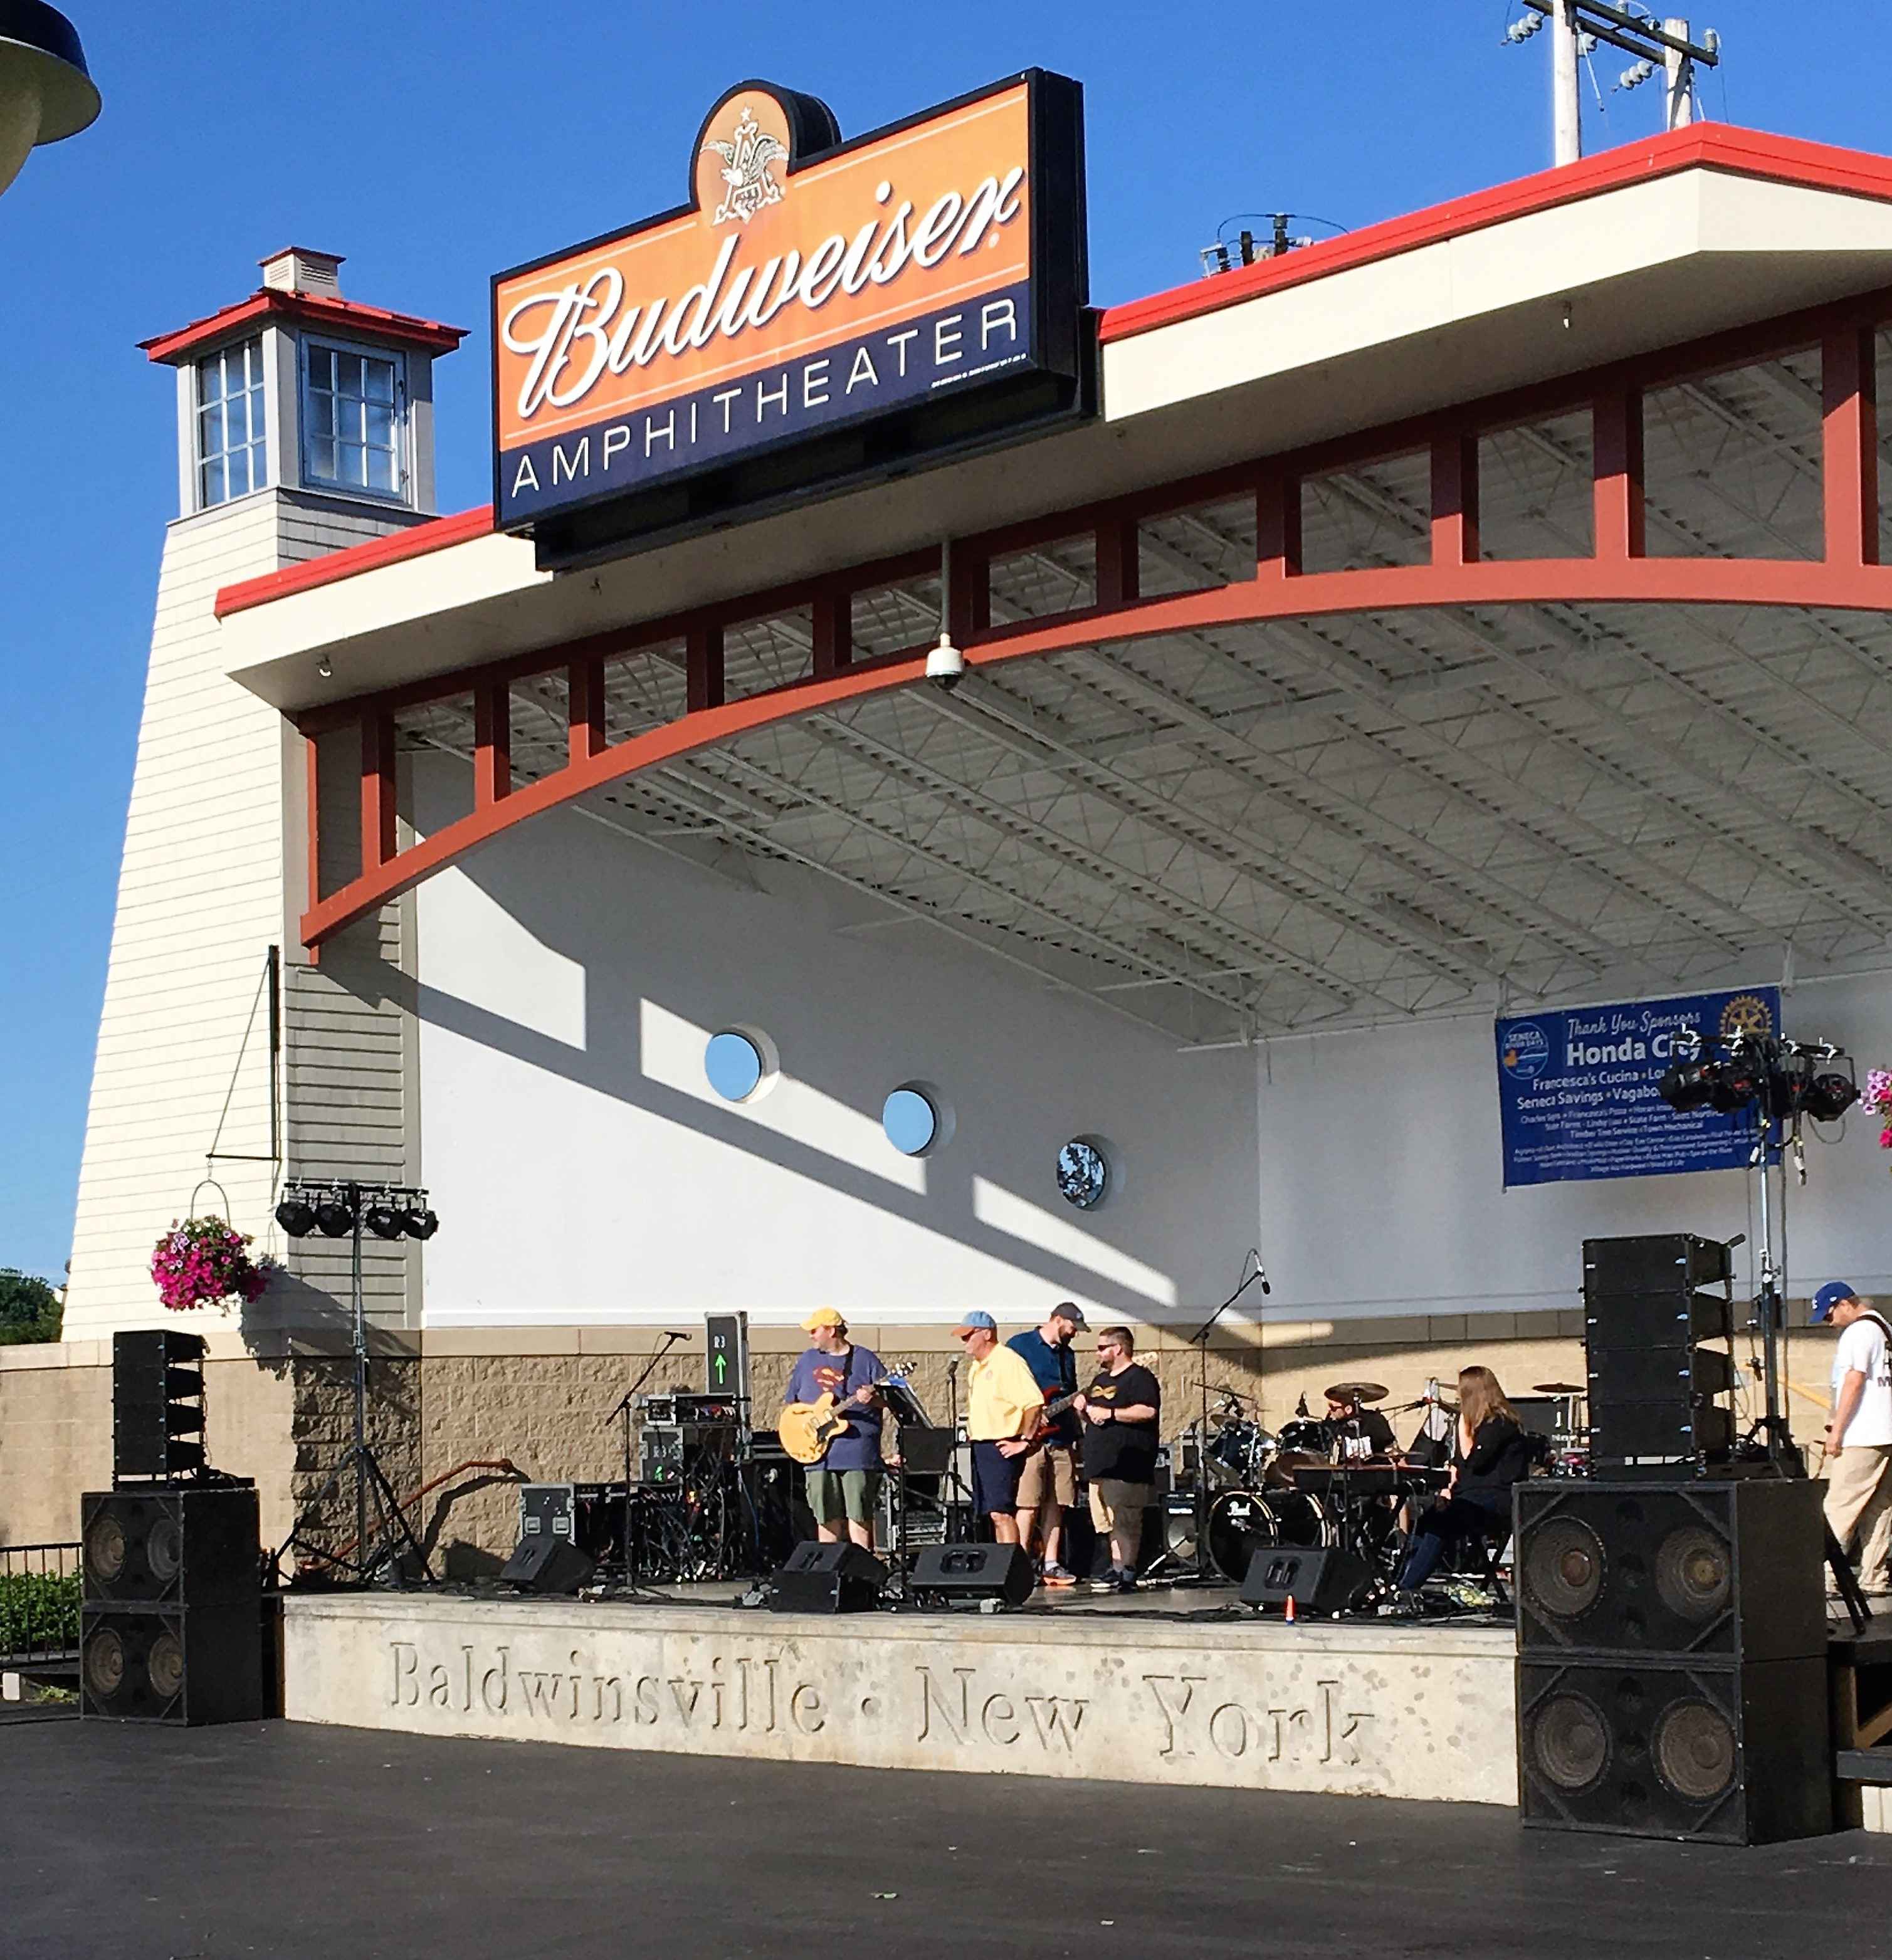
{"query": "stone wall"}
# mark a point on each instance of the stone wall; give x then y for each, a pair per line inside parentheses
(540, 1400)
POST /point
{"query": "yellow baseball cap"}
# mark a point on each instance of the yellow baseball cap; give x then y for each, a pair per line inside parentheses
(822, 1316)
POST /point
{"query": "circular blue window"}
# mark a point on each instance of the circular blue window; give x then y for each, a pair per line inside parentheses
(910, 1121)
(735, 1065)
(1083, 1174)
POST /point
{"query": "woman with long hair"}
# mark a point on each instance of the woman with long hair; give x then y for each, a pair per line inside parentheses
(1493, 1453)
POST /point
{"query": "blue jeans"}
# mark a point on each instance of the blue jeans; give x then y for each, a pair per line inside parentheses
(1444, 1525)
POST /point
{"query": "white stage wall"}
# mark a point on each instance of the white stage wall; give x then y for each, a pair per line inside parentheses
(569, 979)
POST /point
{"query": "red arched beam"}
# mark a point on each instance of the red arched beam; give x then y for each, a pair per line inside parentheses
(1669, 581)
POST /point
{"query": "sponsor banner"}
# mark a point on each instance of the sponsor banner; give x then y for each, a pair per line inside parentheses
(1577, 1089)
(805, 284)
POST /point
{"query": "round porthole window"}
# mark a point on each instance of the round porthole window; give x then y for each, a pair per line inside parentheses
(911, 1121)
(735, 1063)
(1083, 1174)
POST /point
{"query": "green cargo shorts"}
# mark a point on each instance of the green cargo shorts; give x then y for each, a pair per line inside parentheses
(835, 1494)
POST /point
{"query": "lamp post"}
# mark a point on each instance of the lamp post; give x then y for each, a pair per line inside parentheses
(46, 93)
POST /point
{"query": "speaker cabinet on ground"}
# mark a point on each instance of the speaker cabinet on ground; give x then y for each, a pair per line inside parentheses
(179, 1664)
(840, 1577)
(1735, 1753)
(157, 1403)
(1317, 1579)
(1706, 1567)
(975, 1572)
(198, 1546)
(547, 1564)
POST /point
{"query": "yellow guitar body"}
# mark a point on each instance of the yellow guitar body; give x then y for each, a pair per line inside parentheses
(806, 1429)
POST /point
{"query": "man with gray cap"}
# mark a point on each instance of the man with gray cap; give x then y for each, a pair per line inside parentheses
(1859, 1436)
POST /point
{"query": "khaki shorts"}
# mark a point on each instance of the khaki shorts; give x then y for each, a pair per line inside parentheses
(1050, 1476)
(1115, 1504)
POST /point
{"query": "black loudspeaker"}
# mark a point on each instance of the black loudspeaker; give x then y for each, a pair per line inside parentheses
(198, 1547)
(157, 1403)
(1671, 1675)
(1671, 1749)
(1658, 1404)
(547, 1564)
(840, 1577)
(976, 1572)
(1317, 1579)
(1706, 1568)
(181, 1664)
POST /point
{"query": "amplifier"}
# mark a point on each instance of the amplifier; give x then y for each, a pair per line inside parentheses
(676, 1406)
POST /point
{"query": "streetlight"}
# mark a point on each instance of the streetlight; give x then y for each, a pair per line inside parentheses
(46, 93)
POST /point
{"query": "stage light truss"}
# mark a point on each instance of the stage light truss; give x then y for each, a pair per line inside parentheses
(332, 1206)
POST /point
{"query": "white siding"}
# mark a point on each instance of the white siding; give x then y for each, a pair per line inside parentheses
(202, 895)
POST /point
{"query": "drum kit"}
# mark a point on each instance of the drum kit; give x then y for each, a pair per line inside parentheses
(1312, 1482)
(1569, 1455)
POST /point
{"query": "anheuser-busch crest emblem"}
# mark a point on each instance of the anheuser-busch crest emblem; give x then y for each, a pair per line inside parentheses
(745, 159)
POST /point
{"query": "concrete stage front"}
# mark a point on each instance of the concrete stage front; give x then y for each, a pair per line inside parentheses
(1351, 1708)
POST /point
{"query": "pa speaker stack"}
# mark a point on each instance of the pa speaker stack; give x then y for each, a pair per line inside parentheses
(1660, 1343)
(171, 1626)
(1671, 1669)
(157, 1404)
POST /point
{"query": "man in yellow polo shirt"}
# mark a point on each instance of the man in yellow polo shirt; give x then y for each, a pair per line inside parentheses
(1003, 1403)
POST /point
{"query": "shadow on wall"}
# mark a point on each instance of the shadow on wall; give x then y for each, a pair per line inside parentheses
(558, 916)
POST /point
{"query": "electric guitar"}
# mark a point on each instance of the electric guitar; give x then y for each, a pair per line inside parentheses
(1041, 1433)
(806, 1429)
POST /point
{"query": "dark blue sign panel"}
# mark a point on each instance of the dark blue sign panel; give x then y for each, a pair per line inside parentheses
(1577, 1095)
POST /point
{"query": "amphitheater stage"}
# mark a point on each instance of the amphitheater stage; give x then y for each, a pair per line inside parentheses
(1168, 1687)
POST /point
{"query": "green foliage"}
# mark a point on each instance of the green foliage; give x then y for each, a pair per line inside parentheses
(39, 1612)
(30, 1309)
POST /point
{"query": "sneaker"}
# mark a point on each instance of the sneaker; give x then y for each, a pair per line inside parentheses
(1122, 1580)
(1057, 1577)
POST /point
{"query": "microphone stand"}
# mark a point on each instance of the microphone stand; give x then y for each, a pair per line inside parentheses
(671, 1337)
(1251, 1270)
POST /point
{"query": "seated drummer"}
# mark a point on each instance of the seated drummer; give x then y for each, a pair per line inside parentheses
(1347, 1416)
(1493, 1453)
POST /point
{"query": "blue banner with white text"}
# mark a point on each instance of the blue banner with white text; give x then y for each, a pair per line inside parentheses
(1577, 1089)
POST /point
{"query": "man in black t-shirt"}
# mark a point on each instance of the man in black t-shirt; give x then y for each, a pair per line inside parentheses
(1121, 1411)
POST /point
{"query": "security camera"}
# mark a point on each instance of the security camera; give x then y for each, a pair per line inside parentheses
(946, 665)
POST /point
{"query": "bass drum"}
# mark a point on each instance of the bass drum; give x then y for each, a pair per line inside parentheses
(1243, 1523)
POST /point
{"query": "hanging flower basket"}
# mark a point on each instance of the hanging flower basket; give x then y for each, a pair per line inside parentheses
(205, 1261)
(1875, 1098)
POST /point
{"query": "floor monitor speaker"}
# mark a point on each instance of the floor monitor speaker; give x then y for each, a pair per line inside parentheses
(1721, 1751)
(976, 1572)
(172, 1663)
(546, 1564)
(1318, 1578)
(836, 1577)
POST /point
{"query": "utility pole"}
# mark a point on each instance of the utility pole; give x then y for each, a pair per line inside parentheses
(1577, 26)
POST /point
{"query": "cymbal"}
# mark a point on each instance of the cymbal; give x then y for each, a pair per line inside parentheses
(1558, 1389)
(1357, 1392)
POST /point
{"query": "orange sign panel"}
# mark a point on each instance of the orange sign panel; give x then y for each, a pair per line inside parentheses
(806, 287)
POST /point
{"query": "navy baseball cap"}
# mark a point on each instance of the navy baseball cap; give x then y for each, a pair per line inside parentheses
(979, 1317)
(1828, 1297)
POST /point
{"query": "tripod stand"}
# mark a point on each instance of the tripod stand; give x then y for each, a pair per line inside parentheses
(362, 1558)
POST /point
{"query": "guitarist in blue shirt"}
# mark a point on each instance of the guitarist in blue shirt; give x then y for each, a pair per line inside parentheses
(844, 1485)
(1048, 1485)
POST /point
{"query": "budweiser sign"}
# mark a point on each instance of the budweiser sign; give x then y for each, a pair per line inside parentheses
(808, 288)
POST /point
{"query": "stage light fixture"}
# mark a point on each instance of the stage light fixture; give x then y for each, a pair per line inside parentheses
(335, 1215)
(296, 1215)
(1736, 1084)
(1687, 1085)
(383, 1219)
(1828, 1097)
(419, 1222)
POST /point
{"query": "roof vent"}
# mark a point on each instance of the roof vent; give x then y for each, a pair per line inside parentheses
(297, 270)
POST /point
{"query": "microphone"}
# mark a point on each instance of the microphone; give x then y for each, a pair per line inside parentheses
(952, 1366)
(1261, 1273)
(672, 1333)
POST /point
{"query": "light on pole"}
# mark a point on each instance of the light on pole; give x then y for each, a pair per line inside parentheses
(46, 93)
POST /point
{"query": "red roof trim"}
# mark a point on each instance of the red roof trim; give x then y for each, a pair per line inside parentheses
(1711, 146)
(317, 309)
(435, 535)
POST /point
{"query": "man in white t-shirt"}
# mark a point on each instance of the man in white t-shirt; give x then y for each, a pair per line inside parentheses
(1859, 1436)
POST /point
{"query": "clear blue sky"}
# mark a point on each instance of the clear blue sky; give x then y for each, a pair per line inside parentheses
(434, 144)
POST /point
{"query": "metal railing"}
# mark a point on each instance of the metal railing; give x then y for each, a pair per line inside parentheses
(40, 1587)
